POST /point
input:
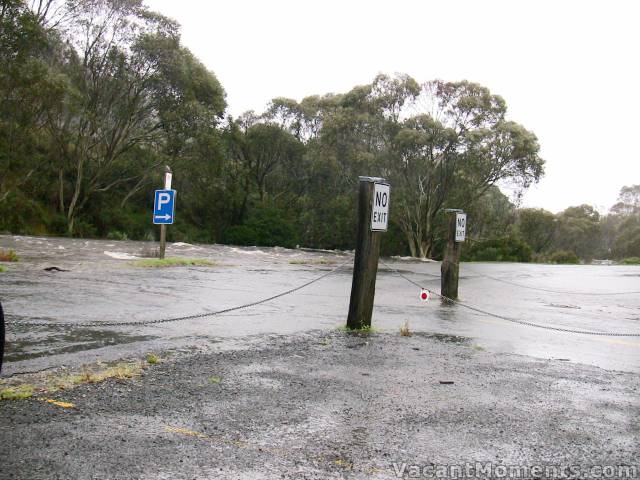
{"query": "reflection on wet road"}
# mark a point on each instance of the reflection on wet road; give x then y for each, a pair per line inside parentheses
(102, 285)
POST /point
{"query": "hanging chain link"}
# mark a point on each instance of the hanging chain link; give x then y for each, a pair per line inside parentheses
(177, 319)
(508, 319)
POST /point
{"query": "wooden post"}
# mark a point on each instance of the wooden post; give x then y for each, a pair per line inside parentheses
(163, 240)
(365, 266)
(450, 269)
(1, 336)
(163, 228)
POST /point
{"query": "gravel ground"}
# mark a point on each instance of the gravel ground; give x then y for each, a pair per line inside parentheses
(329, 405)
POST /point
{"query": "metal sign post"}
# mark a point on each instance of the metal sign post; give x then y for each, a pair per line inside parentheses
(373, 218)
(164, 209)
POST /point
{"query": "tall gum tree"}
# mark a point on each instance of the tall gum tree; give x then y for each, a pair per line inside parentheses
(131, 86)
(454, 143)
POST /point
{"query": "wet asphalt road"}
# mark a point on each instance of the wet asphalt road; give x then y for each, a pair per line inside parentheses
(326, 405)
(101, 285)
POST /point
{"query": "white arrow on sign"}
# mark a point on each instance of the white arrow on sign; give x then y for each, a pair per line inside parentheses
(163, 217)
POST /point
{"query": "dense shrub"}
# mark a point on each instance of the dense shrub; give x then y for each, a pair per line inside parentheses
(564, 257)
(267, 227)
(631, 261)
(506, 249)
(117, 235)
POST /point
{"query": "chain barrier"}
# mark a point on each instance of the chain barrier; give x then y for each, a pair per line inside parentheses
(509, 319)
(178, 319)
(300, 287)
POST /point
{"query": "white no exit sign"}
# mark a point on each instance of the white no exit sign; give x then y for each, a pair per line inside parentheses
(461, 226)
(380, 212)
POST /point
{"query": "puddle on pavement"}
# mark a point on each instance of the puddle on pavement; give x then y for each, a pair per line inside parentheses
(443, 338)
(67, 342)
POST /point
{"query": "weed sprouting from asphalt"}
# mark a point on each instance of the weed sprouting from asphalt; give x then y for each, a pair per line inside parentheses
(18, 389)
(152, 359)
(404, 330)
(366, 329)
(9, 256)
(215, 380)
(17, 393)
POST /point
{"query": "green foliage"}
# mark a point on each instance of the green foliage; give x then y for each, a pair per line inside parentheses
(267, 227)
(492, 215)
(505, 249)
(631, 261)
(117, 235)
(152, 359)
(627, 241)
(173, 262)
(537, 227)
(21, 392)
(563, 257)
(82, 158)
(366, 330)
(2, 269)
(578, 231)
(23, 215)
(628, 201)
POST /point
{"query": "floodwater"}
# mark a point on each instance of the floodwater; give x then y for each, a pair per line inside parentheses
(101, 284)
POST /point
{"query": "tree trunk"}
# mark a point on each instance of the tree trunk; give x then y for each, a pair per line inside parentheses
(61, 190)
(412, 246)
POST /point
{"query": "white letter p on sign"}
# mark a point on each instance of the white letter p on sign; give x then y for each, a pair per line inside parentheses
(163, 199)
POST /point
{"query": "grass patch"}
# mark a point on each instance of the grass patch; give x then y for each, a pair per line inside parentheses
(478, 348)
(173, 262)
(9, 256)
(631, 261)
(367, 329)
(404, 330)
(185, 431)
(25, 386)
(320, 261)
(152, 359)
(20, 392)
(120, 371)
(214, 380)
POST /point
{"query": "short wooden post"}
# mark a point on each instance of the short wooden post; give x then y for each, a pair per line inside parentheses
(365, 266)
(163, 228)
(450, 269)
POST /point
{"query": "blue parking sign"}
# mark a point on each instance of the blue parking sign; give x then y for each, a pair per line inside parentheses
(164, 207)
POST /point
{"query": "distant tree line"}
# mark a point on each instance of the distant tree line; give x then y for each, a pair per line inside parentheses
(98, 95)
(577, 234)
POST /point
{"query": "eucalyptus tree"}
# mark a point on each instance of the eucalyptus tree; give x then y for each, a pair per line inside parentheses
(537, 227)
(454, 143)
(28, 89)
(131, 86)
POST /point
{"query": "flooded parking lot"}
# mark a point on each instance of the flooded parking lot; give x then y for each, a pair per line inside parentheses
(97, 282)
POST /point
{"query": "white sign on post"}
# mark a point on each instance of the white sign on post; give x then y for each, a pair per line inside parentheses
(461, 226)
(380, 212)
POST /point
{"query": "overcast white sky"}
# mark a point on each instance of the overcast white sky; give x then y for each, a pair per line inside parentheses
(569, 70)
